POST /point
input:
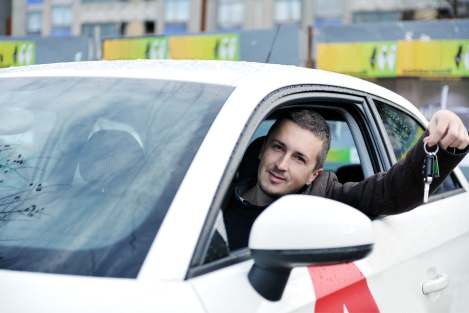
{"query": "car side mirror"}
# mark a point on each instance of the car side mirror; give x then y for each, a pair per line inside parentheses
(302, 230)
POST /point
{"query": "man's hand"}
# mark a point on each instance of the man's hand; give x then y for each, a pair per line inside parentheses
(447, 129)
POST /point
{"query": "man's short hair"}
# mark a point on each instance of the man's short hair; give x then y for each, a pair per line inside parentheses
(312, 121)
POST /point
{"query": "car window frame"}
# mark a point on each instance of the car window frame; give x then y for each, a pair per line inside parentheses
(390, 149)
(283, 98)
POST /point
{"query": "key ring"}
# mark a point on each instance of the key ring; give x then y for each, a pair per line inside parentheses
(432, 152)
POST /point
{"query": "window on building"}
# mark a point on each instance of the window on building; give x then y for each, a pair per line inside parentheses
(328, 12)
(176, 13)
(34, 1)
(101, 29)
(61, 20)
(287, 11)
(376, 16)
(230, 14)
(149, 27)
(34, 23)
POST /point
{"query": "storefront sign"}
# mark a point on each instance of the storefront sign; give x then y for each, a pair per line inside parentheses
(138, 48)
(17, 53)
(405, 58)
(370, 59)
(437, 58)
(200, 47)
(205, 47)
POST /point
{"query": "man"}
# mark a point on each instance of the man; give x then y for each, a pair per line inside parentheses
(292, 159)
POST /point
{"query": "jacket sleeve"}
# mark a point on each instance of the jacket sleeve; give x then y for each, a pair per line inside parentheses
(398, 190)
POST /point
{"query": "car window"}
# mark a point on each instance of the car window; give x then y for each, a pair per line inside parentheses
(342, 159)
(403, 132)
(89, 167)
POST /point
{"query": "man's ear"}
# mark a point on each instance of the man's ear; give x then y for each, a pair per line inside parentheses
(314, 175)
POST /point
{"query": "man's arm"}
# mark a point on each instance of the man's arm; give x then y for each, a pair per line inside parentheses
(401, 188)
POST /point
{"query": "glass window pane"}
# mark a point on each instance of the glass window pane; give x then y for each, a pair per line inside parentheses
(61, 16)
(404, 132)
(343, 150)
(34, 22)
(177, 10)
(90, 167)
(230, 14)
(287, 11)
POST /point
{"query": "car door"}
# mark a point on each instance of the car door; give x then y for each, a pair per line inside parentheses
(419, 256)
(220, 276)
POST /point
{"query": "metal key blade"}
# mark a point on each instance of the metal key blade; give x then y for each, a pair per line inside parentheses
(426, 191)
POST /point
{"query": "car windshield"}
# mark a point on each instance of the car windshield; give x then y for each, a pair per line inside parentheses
(90, 166)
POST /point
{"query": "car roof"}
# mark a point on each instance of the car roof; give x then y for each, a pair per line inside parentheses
(267, 76)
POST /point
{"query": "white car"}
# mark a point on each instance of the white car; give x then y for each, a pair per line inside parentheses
(114, 176)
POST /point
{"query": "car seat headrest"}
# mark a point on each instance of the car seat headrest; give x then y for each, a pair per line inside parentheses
(250, 162)
(109, 154)
(350, 173)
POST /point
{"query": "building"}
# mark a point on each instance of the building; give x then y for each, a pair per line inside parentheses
(5, 17)
(142, 17)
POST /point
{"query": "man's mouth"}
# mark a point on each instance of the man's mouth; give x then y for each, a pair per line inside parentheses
(276, 178)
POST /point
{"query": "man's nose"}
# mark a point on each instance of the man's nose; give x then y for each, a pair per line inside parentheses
(282, 162)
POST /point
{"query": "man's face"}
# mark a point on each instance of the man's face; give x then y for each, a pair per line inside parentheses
(288, 160)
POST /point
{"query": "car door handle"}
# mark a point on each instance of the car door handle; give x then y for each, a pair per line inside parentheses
(436, 284)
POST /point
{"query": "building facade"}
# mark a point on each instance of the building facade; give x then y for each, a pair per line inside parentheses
(5, 17)
(105, 18)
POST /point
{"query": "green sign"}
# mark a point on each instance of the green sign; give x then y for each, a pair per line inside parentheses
(138, 48)
(370, 59)
(17, 53)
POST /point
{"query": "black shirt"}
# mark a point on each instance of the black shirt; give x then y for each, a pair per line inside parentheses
(239, 217)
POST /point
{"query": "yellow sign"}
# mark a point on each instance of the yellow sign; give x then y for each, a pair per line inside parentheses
(130, 49)
(370, 59)
(17, 53)
(205, 47)
(436, 58)
(200, 47)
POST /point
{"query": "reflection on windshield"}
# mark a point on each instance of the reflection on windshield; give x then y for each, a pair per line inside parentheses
(90, 166)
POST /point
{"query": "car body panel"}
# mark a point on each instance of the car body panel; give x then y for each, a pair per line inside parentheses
(37, 292)
(228, 290)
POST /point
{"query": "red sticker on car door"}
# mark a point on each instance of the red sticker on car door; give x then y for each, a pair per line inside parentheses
(341, 288)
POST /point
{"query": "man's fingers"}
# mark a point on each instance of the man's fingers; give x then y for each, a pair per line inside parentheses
(451, 136)
(461, 139)
(447, 130)
(464, 142)
(455, 138)
(437, 132)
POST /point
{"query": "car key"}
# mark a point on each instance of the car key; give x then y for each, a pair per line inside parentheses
(431, 170)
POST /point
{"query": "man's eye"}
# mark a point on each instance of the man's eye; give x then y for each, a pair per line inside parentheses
(300, 159)
(276, 147)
